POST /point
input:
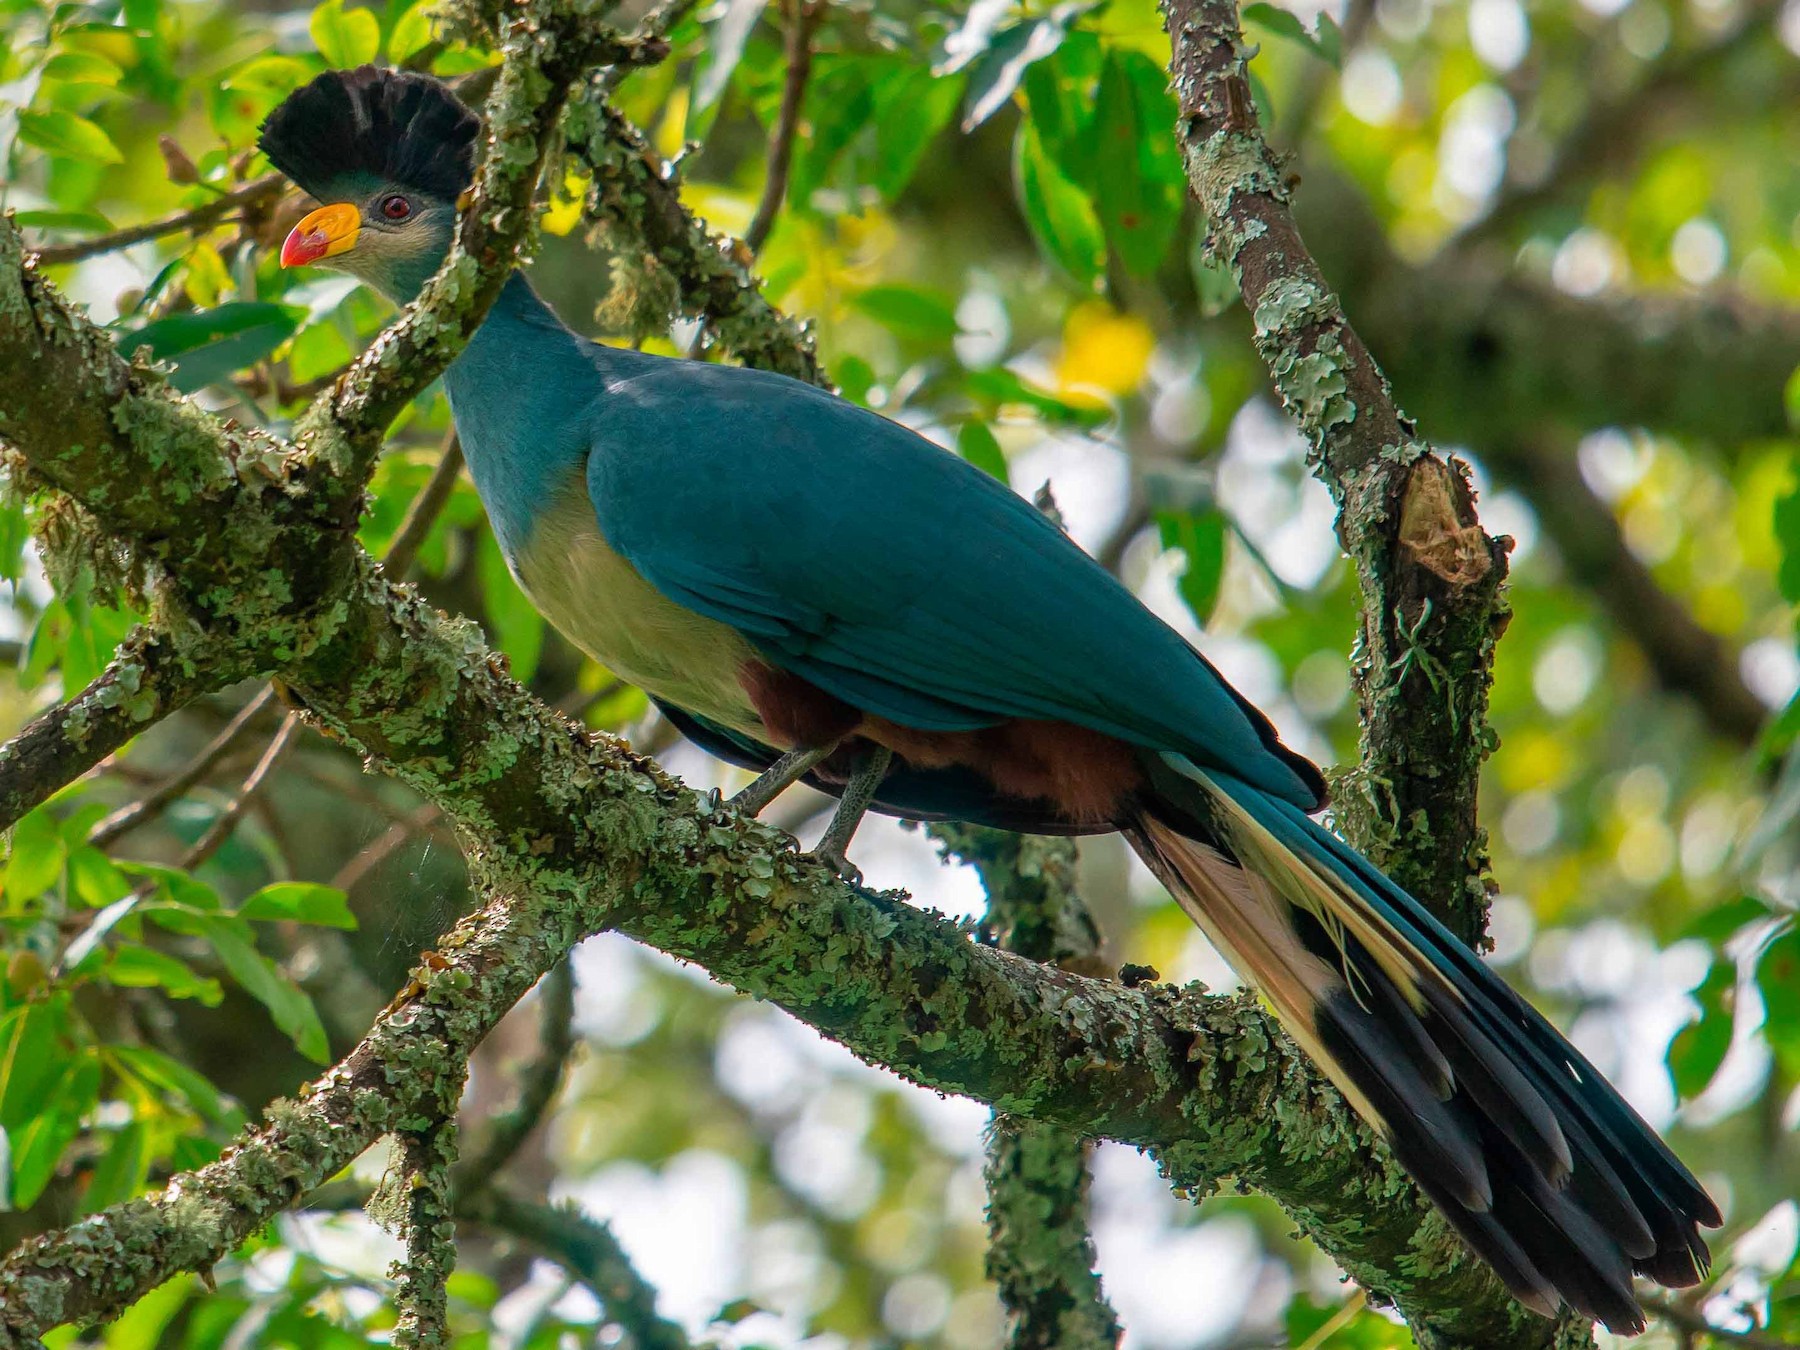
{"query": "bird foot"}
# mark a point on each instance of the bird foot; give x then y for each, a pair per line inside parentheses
(834, 859)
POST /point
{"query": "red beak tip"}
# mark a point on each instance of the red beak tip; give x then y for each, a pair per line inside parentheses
(303, 248)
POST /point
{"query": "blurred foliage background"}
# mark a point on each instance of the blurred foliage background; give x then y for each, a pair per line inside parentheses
(1570, 229)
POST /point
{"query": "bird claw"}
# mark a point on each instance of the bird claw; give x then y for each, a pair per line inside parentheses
(834, 859)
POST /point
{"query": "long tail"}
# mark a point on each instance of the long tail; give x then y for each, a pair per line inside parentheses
(1540, 1165)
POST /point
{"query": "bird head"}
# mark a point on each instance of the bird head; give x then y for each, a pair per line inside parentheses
(388, 153)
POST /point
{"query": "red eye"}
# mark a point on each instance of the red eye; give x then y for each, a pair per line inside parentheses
(396, 207)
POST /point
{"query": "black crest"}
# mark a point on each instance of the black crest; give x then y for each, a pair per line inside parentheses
(400, 127)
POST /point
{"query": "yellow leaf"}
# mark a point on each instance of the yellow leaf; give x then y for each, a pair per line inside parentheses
(206, 277)
(1104, 353)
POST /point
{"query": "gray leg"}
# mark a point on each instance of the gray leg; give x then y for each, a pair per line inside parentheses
(779, 777)
(864, 782)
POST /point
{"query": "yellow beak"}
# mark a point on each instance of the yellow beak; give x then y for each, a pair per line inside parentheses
(326, 232)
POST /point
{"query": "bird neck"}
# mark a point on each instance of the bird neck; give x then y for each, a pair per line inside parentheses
(521, 393)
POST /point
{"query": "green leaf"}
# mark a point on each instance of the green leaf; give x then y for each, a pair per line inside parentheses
(1059, 214)
(301, 902)
(208, 345)
(36, 859)
(1328, 45)
(39, 1145)
(999, 387)
(259, 977)
(95, 879)
(1778, 980)
(1200, 535)
(840, 103)
(518, 628)
(976, 443)
(1699, 1047)
(65, 133)
(410, 34)
(1061, 93)
(911, 107)
(133, 967)
(82, 68)
(1787, 533)
(158, 1070)
(910, 312)
(1281, 22)
(344, 38)
(1140, 180)
(31, 1055)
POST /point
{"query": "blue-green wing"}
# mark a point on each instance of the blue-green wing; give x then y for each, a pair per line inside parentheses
(891, 573)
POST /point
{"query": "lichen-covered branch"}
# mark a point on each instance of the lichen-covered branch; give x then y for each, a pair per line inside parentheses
(636, 196)
(1431, 577)
(571, 834)
(422, 1204)
(548, 48)
(149, 677)
(1040, 1251)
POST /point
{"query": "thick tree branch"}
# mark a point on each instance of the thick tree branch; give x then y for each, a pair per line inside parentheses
(1431, 577)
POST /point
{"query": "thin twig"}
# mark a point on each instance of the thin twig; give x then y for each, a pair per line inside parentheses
(258, 189)
(403, 551)
(1690, 1321)
(220, 830)
(803, 20)
(132, 814)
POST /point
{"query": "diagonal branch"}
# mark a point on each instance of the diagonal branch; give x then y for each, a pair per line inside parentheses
(547, 49)
(636, 194)
(253, 193)
(803, 19)
(1431, 577)
(588, 1251)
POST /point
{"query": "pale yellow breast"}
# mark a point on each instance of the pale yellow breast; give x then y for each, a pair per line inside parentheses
(601, 604)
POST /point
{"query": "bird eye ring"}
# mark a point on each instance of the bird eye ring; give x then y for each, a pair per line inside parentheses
(396, 207)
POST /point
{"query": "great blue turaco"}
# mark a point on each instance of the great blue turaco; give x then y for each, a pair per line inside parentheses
(816, 592)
